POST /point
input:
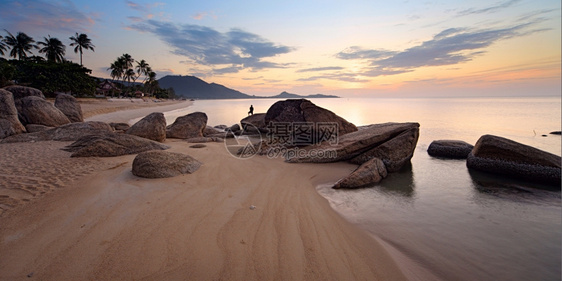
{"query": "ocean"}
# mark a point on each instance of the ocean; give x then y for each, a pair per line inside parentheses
(453, 223)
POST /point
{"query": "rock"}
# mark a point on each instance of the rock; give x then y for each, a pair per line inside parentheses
(68, 132)
(120, 126)
(199, 145)
(36, 110)
(204, 139)
(394, 153)
(68, 105)
(188, 126)
(210, 131)
(365, 140)
(221, 128)
(233, 128)
(454, 149)
(307, 123)
(556, 133)
(163, 164)
(370, 172)
(20, 92)
(152, 127)
(9, 122)
(257, 120)
(34, 128)
(112, 144)
(499, 155)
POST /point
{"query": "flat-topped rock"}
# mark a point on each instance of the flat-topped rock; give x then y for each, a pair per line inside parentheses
(502, 156)
(163, 164)
(454, 149)
(68, 132)
(370, 172)
(112, 144)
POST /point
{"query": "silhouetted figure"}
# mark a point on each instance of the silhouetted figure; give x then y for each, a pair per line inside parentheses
(251, 112)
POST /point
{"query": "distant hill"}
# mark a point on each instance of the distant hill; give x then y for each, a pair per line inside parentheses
(285, 95)
(195, 88)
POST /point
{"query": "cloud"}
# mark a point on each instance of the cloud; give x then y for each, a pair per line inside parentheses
(449, 47)
(488, 10)
(33, 16)
(317, 69)
(226, 52)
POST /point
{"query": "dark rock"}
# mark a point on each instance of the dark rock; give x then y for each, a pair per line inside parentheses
(394, 153)
(68, 132)
(499, 155)
(372, 171)
(204, 139)
(454, 149)
(68, 105)
(188, 126)
(210, 131)
(34, 128)
(556, 133)
(120, 126)
(111, 144)
(256, 120)
(163, 164)
(297, 112)
(351, 145)
(20, 92)
(9, 122)
(36, 110)
(199, 145)
(152, 127)
(233, 128)
(221, 127)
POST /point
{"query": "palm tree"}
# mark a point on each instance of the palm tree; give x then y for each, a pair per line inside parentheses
(21, 44)
(151, 83)
(2, 45)
(129, 74)
(143, 68)
(54, 49)
(82, 42)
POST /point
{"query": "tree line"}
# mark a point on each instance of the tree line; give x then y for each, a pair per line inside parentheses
(55, 74)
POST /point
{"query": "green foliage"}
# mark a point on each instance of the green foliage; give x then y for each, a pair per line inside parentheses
(51, 77)
(7, 73)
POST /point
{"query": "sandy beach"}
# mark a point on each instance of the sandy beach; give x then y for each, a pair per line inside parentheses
(68, 218)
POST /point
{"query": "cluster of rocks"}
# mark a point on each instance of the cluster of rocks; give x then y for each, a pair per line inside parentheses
(26, 116)
(498, 155)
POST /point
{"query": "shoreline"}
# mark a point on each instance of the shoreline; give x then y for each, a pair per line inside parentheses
(96, 217)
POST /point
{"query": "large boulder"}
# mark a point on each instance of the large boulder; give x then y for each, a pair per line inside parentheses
(499, 155)
(68, 105)
(9, 122)
(188, 126)
(112, 144)
(152, 127)
(302, 123)
(257, 120)
(370, 172)
(36, 110)
(22, 92)
(68, 132)
(454, 149)
(352, 145)
(163, 164)
(394, 153)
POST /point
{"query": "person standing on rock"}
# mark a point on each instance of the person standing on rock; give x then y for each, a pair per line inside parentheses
(251, 112)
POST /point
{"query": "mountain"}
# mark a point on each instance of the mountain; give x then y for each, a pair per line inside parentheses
(193, 87)
(285, 95)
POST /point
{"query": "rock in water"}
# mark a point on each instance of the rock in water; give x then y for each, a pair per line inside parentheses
(307, 123)
(111, 144)
(9, 122)
(499, 155)
(163, 164)
(372, 171)
(152, 127)
(35, 110)
(188, 126)
(68, 105)
(394, 153)
(454, 149)
(20, 92)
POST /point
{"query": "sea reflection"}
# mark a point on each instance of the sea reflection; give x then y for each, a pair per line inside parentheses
(399, 183)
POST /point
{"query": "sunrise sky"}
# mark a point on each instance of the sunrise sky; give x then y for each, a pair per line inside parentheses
(348, 48)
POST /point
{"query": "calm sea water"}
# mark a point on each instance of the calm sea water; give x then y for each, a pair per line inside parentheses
(456, 224)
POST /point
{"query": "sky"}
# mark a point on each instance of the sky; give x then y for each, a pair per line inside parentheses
(351, 48)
